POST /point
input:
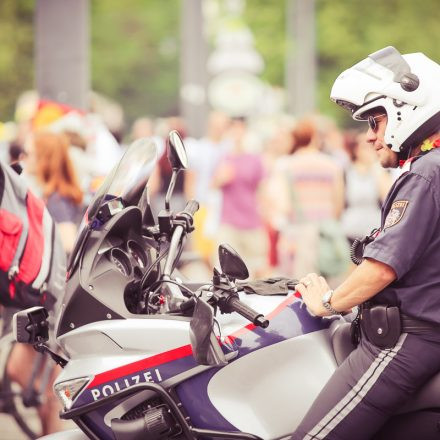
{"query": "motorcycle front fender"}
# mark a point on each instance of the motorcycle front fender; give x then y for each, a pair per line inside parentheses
(71, 434)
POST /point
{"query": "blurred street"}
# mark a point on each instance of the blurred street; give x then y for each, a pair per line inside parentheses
(10, 431)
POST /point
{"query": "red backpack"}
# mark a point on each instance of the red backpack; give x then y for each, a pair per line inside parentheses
(32, 260)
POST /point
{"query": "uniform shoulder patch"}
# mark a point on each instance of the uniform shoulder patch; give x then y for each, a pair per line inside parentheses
(396, 212)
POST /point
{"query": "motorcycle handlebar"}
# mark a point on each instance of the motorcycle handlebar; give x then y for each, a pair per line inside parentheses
(176, 239)
(256, 318)
(191, 207)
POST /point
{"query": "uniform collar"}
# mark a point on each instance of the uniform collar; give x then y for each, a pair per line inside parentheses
(405, 165)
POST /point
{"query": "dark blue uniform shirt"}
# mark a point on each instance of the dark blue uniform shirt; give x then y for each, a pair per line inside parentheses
(409, 240)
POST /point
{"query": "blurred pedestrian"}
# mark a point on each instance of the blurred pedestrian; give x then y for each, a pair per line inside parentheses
(203, 158)
(366, 186)
(239, 176)
(332, 140)
(279, 143)
(142, 127)
(74, 126)
(308, 193)
(49, 167)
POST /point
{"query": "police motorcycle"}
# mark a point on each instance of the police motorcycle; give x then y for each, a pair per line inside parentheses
(147, 355)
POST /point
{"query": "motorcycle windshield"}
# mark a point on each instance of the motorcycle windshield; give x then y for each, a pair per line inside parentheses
(127, 180)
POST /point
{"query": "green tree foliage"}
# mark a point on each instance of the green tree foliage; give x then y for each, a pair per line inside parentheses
(134, 53)
(135, 47)
(267, 22)
(346, 32)
(16, 53)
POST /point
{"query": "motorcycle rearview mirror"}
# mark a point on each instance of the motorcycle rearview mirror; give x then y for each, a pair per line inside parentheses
(31, 326)
(178, 160)
(231, 263)
(205, 346)
(176, 152)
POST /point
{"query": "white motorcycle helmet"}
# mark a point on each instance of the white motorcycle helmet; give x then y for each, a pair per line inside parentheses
(406, 87)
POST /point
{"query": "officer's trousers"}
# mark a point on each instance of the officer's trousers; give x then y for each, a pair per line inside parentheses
(369, 387)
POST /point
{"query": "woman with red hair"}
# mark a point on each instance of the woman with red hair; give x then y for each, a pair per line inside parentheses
(48, 164)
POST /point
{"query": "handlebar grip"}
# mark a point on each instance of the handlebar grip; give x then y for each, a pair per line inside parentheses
(256, 318)
(191, 207)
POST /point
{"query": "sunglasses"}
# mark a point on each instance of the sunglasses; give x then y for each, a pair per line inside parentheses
(372, 121)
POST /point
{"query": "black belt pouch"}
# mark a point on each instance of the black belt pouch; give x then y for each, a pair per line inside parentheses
(382, 325)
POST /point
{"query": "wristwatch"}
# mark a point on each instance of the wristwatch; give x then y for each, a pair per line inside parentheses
(326, 298)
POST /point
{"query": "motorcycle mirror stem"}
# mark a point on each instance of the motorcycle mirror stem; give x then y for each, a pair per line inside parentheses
(171, 188)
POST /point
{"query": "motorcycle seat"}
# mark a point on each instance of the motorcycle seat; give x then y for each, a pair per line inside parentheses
(428, 396)
(341, 340)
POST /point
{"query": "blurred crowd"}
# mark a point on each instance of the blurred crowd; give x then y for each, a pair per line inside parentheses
(289, 195)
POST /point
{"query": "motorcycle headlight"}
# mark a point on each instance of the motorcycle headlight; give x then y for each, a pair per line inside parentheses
(68, 391)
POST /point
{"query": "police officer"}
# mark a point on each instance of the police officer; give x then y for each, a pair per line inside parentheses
(397, 285)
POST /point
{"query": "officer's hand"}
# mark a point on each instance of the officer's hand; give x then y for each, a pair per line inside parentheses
(312, 287)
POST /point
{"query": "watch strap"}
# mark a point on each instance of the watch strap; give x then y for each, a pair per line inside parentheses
(327, 304)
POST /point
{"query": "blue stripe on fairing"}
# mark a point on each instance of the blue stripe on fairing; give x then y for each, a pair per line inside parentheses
(292, 321)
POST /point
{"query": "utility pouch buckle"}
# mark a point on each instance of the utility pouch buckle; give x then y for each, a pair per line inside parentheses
(381, 325)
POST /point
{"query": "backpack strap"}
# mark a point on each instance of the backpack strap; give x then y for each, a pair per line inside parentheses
(48, 234)
(55, 283)
(2, 183)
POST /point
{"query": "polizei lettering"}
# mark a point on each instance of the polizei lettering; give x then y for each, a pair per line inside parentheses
(126, 382)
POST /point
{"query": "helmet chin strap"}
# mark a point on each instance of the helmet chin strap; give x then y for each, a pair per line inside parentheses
(405, 155)
(401, 157)
(410, 152)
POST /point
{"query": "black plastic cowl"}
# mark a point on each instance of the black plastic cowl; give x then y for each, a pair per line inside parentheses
(155, 424)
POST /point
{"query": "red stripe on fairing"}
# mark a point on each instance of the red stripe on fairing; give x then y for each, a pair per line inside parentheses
(172, 355)
(152, 361)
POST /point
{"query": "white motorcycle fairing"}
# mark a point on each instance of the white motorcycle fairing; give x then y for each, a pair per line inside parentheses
(279, 385)
(269, 383)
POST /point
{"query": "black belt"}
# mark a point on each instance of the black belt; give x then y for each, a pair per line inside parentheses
(412, 325)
